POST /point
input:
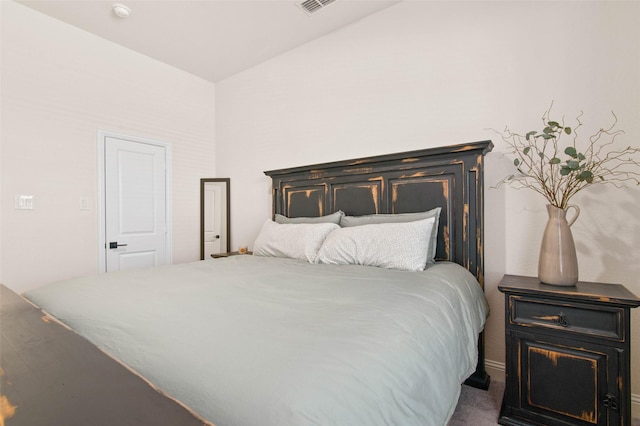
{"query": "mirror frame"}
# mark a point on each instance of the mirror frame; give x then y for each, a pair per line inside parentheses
(227, 182)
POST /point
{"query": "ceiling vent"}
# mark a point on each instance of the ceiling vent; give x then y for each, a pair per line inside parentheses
(312, 6)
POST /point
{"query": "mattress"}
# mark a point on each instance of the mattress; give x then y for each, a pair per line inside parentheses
(249, 340)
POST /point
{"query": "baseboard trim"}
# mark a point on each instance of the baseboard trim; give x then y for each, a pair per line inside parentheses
(495, 369)
(497, 372)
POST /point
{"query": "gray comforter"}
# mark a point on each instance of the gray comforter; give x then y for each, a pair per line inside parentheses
(265, 341)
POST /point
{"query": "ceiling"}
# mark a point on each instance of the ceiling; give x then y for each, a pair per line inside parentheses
(212, 39)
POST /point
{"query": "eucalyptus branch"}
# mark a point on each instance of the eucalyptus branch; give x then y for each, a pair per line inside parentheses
(558, 174)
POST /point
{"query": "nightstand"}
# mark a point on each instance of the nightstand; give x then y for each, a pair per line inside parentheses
(228, 254)
(567, 353)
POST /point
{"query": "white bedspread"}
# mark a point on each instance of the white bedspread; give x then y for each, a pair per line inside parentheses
(264, 341)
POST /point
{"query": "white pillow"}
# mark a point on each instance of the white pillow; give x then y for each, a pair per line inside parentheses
(404, 246)
(399, 217)
(293, 240)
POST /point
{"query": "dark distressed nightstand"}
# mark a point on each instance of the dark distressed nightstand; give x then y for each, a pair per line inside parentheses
(567, 353)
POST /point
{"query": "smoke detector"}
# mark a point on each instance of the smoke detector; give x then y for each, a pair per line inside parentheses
(313, 6)
(121, 10)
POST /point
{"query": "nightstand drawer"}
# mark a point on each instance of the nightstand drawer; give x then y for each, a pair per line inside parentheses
(576, 318)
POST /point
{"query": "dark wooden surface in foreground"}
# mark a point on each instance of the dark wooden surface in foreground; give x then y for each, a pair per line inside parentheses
(49, 375)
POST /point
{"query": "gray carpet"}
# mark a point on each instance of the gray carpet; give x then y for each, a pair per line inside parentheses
(482, 408)
(477, 407)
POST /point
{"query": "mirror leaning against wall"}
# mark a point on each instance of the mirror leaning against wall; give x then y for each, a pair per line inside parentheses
(214, 216)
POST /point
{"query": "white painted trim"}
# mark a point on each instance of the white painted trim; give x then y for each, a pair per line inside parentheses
(102, 250)
(635, 406)
(496, 370)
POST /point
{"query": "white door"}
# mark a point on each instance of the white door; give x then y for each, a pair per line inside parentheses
(135, 204)
(215, 218)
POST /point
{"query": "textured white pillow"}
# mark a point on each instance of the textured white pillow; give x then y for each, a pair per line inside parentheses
(399, 217)
(404, 246)
(293, 240)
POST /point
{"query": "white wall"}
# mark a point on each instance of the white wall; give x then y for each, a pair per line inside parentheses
(60, 85)
(423, 74)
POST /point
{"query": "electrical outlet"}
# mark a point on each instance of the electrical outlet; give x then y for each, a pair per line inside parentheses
(24, 202)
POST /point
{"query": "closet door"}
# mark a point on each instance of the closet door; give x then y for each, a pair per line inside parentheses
(135, 205)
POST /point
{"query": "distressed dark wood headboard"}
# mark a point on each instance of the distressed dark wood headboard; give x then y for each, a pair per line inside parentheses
(450, 177)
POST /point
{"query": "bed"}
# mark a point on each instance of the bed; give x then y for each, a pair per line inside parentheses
(292, 341)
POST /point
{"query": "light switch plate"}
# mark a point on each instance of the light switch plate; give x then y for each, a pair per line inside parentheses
(24, 202)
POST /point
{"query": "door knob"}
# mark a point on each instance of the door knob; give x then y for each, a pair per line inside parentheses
(114, 245)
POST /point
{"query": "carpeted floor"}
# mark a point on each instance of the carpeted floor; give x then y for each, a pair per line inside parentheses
(482, 408)
(477, 407)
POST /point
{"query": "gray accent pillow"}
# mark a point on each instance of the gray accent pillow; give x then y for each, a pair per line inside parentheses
(330, 218)
(348, 221)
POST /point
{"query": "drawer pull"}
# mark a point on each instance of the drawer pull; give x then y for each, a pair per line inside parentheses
(561, 319)
(610, 402)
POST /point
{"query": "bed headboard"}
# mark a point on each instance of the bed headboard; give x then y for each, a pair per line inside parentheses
(450, 177)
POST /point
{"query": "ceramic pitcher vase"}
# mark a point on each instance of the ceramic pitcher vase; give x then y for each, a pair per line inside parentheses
(558, 264)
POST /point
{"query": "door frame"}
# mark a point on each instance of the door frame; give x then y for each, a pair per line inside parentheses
(102, 217)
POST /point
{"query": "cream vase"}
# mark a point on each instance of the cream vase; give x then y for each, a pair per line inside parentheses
(558, 263)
